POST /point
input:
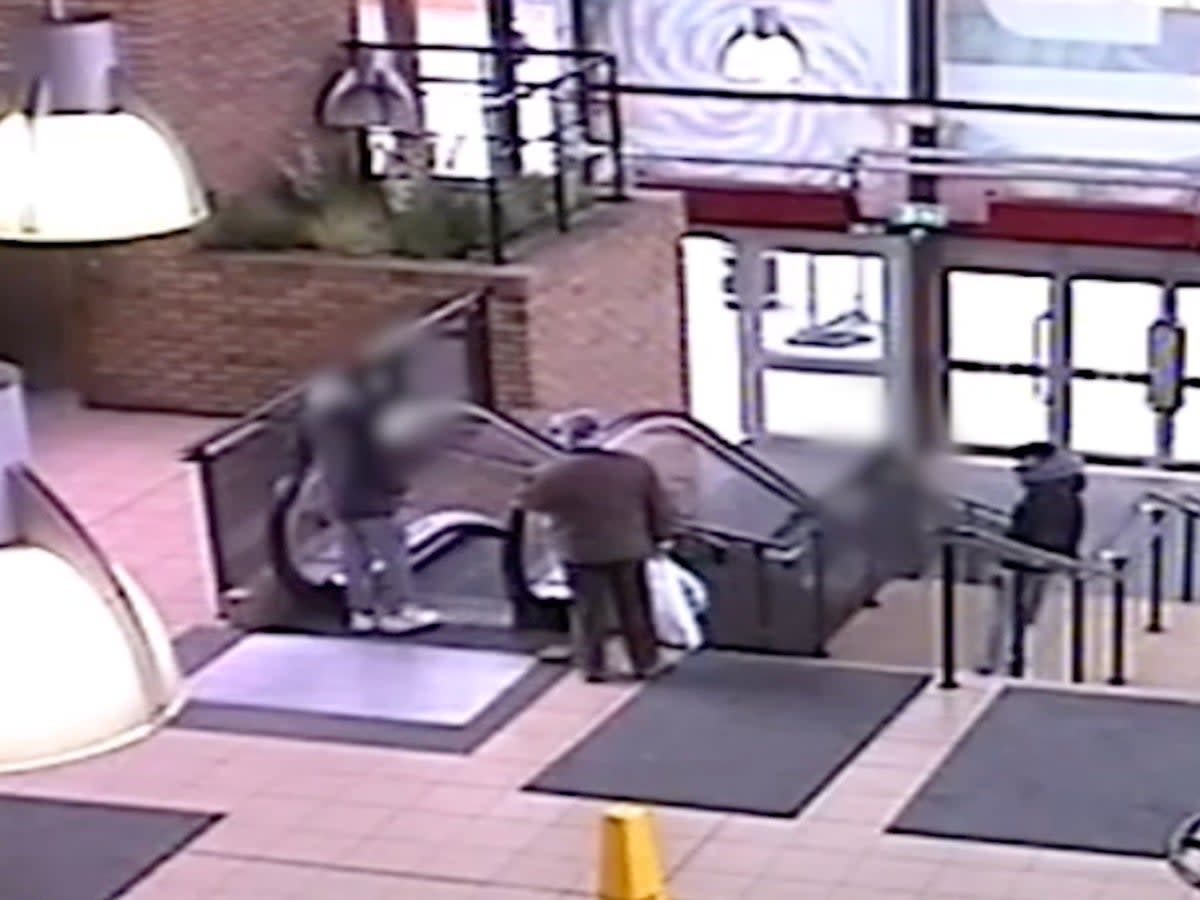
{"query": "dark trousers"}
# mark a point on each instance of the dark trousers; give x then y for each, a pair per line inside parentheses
(622, 588)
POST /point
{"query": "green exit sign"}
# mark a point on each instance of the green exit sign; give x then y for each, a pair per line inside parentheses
(932, 216)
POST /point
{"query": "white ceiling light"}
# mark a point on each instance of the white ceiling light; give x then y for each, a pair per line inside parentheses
(82, 160)
(765, 52)
(86, 665)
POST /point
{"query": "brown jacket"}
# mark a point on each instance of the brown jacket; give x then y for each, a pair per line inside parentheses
(604, 506)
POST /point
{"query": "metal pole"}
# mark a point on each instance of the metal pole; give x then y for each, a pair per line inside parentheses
(1019, 587)
(561, 218)
(616, 133)
(1078, 631)
(949, 632)
(1188, 562)
(1119, 565)
(495, 223)
(1156, 571)
(818, 557)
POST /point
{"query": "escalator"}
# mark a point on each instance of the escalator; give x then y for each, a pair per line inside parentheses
(784, 569)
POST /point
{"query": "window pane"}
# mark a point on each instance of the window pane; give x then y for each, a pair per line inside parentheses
(819, 405)
(1111, 418)
(996, 410)
(1188, 315)
(1110, 322)
(993, 316)
(828, 305)
(1187, 428)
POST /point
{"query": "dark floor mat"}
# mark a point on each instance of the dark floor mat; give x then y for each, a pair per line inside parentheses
(55, 850)
(1067, 771)
(733, 733)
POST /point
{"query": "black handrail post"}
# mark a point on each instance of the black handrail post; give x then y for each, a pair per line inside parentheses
(820, 613)
(561, 218)
(616, 132)
(1078, 631)
(1157, 515)
(495, 220)
(1189, 551)
(1119, 565)
(949, 631)
(1021, 587)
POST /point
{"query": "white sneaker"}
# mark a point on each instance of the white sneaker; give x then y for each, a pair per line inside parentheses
(362, 623)
(409, 619)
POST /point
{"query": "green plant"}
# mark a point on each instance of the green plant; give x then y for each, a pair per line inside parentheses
(320, 201)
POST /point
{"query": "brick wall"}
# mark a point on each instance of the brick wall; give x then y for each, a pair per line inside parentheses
(170, 328)
(590, 317)
(606, 313)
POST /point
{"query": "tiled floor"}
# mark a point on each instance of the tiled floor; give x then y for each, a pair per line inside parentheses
(349, 823)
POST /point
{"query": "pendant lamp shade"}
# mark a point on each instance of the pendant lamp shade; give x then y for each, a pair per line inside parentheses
(86, 665)
(371, 93)
(81, 159)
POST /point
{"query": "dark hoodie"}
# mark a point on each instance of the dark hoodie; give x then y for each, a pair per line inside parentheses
(1050, 514)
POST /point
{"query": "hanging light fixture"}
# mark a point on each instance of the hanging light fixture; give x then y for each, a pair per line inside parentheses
(82, 159)
(766, 51)
(86, 665)
(371, 94)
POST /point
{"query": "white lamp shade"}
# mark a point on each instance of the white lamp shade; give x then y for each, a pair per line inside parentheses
(77, 677)
(90, 178)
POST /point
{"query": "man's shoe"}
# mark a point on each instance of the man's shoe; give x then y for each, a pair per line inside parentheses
(659, 668)
(363, 623)
(408, 620)
(595, 677)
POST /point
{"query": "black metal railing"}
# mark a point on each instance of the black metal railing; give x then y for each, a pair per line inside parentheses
(1025, 562)
(585, 126)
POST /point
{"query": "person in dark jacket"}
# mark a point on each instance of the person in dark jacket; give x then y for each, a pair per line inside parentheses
(608, 514)
(342, 423)
(1049, 516)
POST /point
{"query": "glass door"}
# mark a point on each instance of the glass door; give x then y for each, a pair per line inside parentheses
(822, 336)
(712, 328)
(1111, 324)
(999, 379)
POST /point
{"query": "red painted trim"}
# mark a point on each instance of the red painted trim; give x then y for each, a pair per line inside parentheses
(1080, 223)
(767, 207)
(733, 205)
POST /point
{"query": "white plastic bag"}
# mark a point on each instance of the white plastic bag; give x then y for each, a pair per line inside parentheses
(693, 588)
(674, 619)
(553, 585)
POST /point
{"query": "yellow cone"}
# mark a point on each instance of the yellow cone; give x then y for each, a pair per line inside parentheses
(630, 866)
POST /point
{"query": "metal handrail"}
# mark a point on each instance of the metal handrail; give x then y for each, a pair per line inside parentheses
(630, 426)
(1018, 552)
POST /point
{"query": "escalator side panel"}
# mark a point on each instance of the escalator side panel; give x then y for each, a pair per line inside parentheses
(736, 619)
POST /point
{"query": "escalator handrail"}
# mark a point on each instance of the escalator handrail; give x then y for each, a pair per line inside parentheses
(512, 427)
(703, 530)
(765, 475)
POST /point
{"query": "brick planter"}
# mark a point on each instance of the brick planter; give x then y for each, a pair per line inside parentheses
(590, 317)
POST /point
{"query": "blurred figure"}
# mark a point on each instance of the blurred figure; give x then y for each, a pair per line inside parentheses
(1049, 516)
(609, 515)
(343, 423)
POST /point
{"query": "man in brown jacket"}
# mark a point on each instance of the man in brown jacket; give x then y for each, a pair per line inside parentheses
(609, 514)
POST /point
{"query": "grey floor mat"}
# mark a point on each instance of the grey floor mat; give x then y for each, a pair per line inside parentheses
(1067, 771)
(733, 733)
(55, 850)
